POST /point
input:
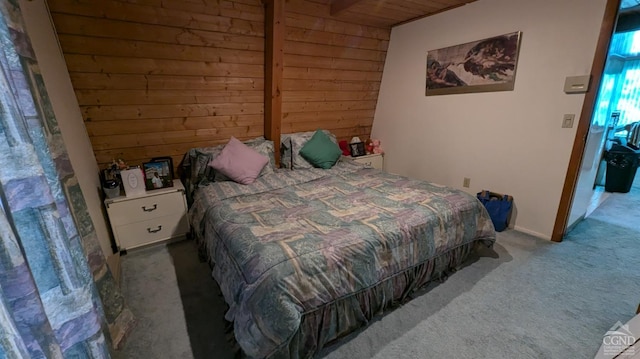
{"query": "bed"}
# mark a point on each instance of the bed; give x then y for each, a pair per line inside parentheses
(305, 256)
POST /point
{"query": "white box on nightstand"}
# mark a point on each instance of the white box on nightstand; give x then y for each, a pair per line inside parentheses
(151, 217)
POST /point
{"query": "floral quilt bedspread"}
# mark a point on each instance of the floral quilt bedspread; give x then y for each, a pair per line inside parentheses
(297, 240)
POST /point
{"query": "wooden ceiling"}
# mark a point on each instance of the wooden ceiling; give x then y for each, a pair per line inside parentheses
(388, 13)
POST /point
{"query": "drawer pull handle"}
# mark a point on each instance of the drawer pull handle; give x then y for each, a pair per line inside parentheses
(154, 230)
(150, 209)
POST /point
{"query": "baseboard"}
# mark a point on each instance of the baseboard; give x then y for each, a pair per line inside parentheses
(113, 262)
(533, 233)
(575, 223)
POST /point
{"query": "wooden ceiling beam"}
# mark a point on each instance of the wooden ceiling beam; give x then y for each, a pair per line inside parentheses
(338, 6)
(274, 63)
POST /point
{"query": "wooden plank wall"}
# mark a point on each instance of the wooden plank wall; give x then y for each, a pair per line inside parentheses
(332, 71)
(157, 77)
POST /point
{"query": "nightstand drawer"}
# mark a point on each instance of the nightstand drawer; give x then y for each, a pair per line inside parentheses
(145, 208)
(141, 233)
(370, 161)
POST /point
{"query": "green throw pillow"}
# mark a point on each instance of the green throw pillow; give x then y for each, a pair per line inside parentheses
(320, 151)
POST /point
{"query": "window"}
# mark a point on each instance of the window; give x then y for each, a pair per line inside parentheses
(620, 88)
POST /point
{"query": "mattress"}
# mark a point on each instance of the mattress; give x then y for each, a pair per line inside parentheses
(305, 257)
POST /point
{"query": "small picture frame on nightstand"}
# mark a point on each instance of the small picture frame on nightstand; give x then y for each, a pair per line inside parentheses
(357, 149)
(168, 159)
(132, 181)
(158, 174)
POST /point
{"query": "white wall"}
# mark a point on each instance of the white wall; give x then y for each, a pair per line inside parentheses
(65, 106)
(510, 142)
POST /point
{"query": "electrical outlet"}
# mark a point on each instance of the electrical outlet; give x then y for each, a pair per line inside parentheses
(467, 182)
(567, 120)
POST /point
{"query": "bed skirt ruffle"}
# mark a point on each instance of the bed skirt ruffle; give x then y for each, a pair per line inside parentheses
(332, 321)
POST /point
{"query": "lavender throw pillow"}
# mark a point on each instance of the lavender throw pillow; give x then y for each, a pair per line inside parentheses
(239, 162)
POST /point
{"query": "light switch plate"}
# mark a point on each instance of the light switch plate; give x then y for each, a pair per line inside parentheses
(567, 120)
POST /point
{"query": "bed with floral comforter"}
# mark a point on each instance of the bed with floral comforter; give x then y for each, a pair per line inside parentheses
(304, 257)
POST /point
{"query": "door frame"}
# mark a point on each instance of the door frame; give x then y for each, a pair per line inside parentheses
(577, 153)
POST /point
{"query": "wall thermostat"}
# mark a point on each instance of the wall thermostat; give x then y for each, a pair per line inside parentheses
(577, 84)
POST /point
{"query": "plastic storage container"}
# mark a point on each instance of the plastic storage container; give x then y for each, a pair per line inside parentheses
(111, 188)
(622, 164)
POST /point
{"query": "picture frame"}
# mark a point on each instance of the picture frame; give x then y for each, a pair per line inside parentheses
(157, 174)
(479, 66)
(166, 158)
(357, 149)
(133, 181)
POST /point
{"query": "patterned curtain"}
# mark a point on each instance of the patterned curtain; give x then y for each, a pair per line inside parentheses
(58, 299)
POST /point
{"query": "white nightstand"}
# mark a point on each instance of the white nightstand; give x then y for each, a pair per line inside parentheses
(152, 217)
(371, 161)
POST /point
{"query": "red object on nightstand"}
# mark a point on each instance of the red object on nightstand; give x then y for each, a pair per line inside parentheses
(344, 146)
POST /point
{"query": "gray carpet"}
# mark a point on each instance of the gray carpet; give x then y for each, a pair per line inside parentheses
(527, 298)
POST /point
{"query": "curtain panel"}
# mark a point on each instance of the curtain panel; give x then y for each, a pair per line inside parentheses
(58, 299)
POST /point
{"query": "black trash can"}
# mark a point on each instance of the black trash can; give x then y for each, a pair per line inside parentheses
(622, 163)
